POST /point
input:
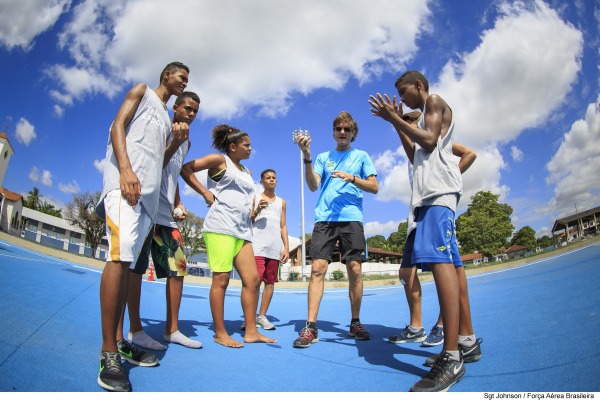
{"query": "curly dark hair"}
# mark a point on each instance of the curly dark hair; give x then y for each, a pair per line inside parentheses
(223, 135)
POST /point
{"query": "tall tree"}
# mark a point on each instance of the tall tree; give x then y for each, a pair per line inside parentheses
(395, 242)
(525, 237)
(33, 200)
(545, 241)
(396, 239)
(191, 232)
(82, 214)
(486, 226)
(378, 241)
(49, 209)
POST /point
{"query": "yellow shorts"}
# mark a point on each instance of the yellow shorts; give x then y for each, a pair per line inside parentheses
(221, 250)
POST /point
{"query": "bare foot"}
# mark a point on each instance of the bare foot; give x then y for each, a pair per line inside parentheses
(258, 338)
(227, 341)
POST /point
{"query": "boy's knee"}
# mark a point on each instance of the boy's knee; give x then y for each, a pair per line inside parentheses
(406, 275)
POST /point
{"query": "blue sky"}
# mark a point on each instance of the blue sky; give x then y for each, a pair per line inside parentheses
(522, 78)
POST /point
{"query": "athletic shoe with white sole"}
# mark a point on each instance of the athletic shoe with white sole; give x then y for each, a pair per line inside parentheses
(263, 322)
(435, 337)
(444, 373)
(469, 353)
(408, 335)
(111, 376)
(307, 337)
(135, 356)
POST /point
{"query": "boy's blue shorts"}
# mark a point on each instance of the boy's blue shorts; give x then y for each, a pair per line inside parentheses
(435, 237)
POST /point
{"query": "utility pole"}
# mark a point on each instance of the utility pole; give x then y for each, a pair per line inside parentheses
(295, 135)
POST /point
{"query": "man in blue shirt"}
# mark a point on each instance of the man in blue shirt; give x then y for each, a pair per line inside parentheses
(342, 175)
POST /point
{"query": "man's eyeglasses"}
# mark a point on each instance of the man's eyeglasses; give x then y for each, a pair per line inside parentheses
(343, 128)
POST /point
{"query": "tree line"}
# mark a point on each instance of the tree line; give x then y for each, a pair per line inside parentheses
(484, 228)
(81, 213)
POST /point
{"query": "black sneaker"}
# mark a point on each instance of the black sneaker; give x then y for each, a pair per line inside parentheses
(135, 356)
(358, 331)
(111, 376)
(443, 375)
(469, 353)
(307, 337)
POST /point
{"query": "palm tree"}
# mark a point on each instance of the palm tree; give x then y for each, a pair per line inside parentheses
(33, 200)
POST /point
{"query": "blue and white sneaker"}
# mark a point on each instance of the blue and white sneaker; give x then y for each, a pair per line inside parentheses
(435, 337)
(409, 335)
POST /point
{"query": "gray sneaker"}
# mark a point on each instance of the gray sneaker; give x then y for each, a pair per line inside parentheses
(469, 353)
(263, 322)
(409, 336)
(135, 356)
(444, 373)
(111, 376)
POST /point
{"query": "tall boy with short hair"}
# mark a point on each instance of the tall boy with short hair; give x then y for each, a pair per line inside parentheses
(437, 187)
(128, 203)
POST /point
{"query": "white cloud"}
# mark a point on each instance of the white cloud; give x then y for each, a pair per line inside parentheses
(70, 188)
(99, 165)
(25, 132)
(58, 111)
(543, 231)
(574, 168)
(188, 191)
(507, 84)
(78, 82)
(510, 82)
(516, 153)
(24, 20)
(46, 178)
(34, 174)
(384, 229)
(237, 72)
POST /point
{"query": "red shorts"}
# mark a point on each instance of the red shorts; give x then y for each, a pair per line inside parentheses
(268, 269)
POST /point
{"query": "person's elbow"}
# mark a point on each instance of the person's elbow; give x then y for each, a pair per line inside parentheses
(186, 172)
(373, 186)
(429, 145)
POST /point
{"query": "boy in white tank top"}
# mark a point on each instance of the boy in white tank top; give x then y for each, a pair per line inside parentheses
(129, 202)
(269, 241)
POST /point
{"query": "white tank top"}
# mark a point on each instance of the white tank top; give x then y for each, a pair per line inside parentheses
(230, 213)
(436, 177)
(168, 186)
(266, 230)
(145, 138)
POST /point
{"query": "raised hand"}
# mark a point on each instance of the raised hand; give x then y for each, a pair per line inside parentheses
(384, 107)
(181, 132)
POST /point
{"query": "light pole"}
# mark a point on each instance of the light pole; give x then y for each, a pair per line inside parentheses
(295, 136)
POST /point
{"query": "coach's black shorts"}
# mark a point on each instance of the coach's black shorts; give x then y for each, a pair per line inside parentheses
(351, 237)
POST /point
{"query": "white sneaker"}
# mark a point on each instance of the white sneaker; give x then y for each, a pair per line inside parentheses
(263, 322)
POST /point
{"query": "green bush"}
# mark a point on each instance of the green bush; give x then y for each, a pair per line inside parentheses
(294, 276)
(338, 275)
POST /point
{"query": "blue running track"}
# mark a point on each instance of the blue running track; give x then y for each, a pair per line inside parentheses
(540, 326)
